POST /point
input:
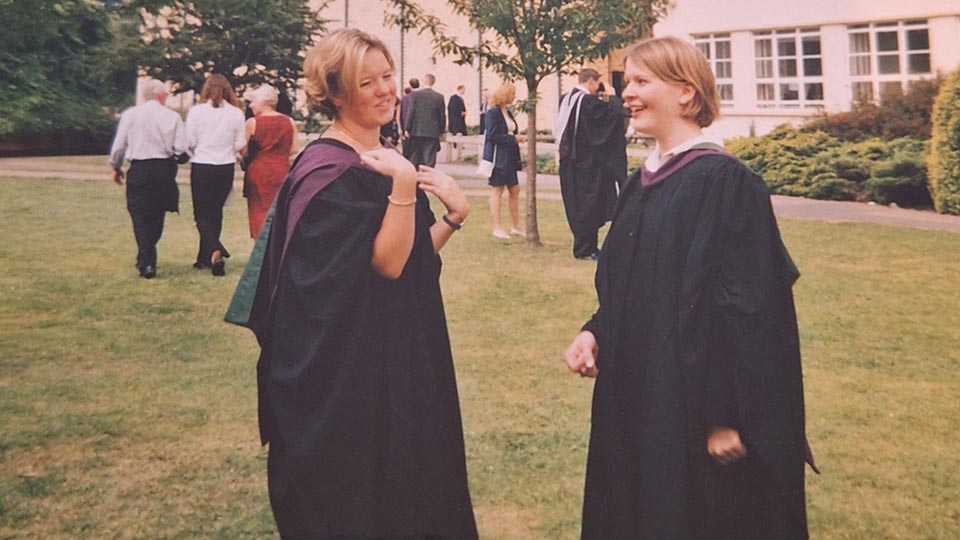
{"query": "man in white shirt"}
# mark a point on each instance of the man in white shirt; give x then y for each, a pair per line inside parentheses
(151, 137)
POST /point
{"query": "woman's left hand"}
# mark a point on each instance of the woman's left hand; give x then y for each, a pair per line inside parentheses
(446, 189)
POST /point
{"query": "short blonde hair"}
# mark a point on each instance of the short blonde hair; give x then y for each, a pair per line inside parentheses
(677, 61)
(503, 96)
(332, 68)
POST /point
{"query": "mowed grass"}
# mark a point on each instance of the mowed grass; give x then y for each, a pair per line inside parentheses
(128, 408)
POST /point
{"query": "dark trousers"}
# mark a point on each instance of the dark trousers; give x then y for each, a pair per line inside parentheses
(149, 197)
(210, 185)
(423, 151)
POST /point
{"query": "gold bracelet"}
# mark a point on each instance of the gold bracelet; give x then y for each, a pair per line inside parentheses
(404, 203)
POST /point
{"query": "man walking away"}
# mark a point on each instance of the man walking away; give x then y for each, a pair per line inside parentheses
(593, 160)
(152, 137)
(424, 123)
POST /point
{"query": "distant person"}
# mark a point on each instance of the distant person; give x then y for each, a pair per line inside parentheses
(153, 138)
(271, 140)
(501, 146)
(697, 427)
(484, 99)
(425, 123)
(593, 160)
(457, 113)
(414, 84)
(215, 133)
(358, 396)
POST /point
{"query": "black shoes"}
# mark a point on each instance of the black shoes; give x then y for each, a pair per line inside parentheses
(218, 265)
(148, 272)
(591, 257)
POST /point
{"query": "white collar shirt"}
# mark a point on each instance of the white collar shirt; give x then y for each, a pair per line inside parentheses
(148, 131)
(657, 158)
(215, 134)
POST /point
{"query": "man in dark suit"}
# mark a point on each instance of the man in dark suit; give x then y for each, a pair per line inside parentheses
(457, 113)
(424, 123)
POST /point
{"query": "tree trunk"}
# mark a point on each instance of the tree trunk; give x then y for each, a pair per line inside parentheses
(533, 230)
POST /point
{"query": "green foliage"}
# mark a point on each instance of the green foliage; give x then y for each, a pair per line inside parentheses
(49, 67)
(819, 166)
(248, 41)
(897, 115)
(546, 164)
(943, 158)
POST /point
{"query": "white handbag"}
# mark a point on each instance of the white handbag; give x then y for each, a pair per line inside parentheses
(485, 169)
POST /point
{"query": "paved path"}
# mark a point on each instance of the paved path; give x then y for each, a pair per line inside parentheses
(548, 188)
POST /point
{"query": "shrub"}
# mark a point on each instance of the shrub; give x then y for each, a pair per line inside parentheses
(943, 157)
(546, 164)
(820, 166)
(897, 115)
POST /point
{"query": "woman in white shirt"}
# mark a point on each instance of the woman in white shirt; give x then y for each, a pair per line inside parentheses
(215, 133)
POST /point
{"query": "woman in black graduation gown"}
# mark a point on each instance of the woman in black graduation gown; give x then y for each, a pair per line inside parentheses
(697, 424)
(358, 398)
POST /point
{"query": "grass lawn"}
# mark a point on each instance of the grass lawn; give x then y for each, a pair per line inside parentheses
(129, 409)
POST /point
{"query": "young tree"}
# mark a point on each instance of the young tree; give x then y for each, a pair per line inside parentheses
(249, 41)
(526, 40)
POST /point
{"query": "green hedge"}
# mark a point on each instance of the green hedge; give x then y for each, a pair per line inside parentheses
(943, 158)
(820, 166)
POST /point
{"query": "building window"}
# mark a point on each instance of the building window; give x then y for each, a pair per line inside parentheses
(716, 47)
(886, 57)
(789, 68)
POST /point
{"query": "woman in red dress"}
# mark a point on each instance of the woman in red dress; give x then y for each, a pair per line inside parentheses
(270, 142)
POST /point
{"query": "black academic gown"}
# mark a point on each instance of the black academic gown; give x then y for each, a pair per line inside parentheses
(457, 124)
(696, 327)
(358, 395)
(593, 161)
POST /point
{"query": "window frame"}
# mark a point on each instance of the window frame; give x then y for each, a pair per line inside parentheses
(874, 80)
(778, 71)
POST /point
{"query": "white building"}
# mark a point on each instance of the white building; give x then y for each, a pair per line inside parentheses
(776, 61)
(779, 61)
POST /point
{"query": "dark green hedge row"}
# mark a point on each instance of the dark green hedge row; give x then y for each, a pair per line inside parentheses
(820, 166)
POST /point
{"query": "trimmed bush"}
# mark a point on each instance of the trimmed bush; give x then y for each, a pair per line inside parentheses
(820, 166)
(943, 157)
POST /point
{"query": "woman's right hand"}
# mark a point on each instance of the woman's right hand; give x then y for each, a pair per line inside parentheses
(581, 355)
(389, 162)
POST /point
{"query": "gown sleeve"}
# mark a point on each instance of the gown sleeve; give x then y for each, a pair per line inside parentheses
(754, 377)
(332, 247)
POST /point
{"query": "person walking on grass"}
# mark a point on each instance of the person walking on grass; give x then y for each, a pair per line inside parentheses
(215, 134)
(152, 137)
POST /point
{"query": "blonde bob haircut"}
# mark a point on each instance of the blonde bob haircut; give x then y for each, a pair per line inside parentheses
(503, 96)
(332, 68)
(676, 61)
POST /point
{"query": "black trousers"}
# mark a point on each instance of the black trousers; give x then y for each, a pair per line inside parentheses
(423, 151)
(210, 185)
(151, 192)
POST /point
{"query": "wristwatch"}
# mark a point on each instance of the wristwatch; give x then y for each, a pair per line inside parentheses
(453, 225)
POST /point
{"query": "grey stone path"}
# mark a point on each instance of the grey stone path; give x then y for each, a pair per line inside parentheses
(548, 188)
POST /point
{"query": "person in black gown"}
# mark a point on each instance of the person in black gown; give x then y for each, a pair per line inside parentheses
(697, 425)
(358, 398)
(592, 150)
